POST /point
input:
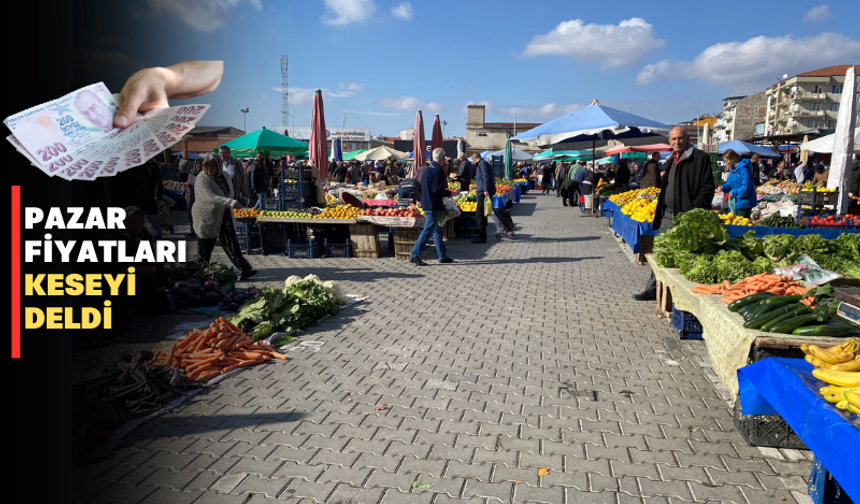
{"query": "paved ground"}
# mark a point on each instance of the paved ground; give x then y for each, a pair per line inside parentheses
(462, 383)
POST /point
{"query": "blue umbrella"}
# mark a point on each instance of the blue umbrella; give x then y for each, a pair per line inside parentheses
(747, 149)
(583, 124)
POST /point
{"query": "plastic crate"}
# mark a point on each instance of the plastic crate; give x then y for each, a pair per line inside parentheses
(823, 489)
(303, 250)
(249, 242)
(245, 228)
(338, 249)
(768, 431)
(686, 324)
(272, 239)
(817, 198)
(271, 204)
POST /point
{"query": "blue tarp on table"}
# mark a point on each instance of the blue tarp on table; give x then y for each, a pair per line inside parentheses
(761, 231)
(630, 230)
(786, 387)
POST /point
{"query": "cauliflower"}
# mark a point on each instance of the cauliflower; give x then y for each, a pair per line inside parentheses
(333, 288)
(314, 279)
(289, 282)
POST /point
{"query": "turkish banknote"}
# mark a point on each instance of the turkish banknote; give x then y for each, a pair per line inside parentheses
(74, 138)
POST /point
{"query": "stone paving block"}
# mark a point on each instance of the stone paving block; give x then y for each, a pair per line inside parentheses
(391, 496)
(317, 492)
(261, 486)
(493, 492)
(382, 479)
(264, 468)
(120, 492)
(458, 469)
(707, 492)
(355, 477)
(382, 462)
(413, 466)
(347, 493)
(441, 452)
(575, 496)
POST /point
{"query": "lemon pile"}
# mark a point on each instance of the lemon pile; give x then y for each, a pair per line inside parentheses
(468, 206)
(731, 219)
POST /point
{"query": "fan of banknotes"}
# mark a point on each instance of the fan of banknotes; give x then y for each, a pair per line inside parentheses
(74, 137)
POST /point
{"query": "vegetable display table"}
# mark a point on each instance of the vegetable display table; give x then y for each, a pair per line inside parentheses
(729, 343)
(786, 387)
(638, 235)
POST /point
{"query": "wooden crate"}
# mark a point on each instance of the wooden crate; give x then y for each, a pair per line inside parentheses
(647, 244)
(664, 300)
(404, 241)
(365, 241)
(450, 231)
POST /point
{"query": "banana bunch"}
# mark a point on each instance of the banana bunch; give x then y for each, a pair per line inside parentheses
(838, 366)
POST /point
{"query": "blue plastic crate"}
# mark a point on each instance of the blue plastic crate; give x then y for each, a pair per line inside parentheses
(245, 227)
(686, 324)
(823, 489)
(338, 249)
(248, 243)
(303, 250)
(271, 204)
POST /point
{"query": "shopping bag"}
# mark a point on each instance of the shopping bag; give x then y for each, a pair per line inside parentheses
(488, 206)
(452, 211)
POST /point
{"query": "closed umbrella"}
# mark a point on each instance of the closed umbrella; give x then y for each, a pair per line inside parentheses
(804, 154)
(461, 149)
(419, 145)
(336, 150)
(509, 160)
(318, 148)
(436, 142)
(843, 143)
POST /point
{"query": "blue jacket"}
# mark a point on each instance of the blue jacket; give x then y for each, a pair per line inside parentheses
(742, 185)
(434, 187)
(580, 174)
(485, 179)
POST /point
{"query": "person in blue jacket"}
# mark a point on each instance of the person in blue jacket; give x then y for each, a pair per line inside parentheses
(741, 184)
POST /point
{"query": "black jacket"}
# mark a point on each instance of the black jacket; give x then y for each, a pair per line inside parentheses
(694, 184)
(259, 178)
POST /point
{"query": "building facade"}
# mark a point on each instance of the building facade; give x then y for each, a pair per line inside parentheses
(481, 135)
(807, 101)
(743, 117)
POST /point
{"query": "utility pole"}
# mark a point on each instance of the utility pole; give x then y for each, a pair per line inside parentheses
(245, 111)
(285, 92)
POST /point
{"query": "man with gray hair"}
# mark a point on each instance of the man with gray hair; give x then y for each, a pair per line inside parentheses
(486, 181)
(434, 187)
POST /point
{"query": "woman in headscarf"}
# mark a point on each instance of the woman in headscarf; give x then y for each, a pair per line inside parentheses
(213, 218)
(189, 193)
(547, 175)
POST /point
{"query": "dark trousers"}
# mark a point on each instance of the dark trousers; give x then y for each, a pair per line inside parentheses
(229, 243)
(189, 201)
(481, 218)
(666, 223)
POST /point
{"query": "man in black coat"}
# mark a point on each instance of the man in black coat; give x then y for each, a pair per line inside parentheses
(260, 180)
(688, 184)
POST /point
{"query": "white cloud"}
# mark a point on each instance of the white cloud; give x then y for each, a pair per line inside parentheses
(433, 107)
(758, 62)
(820, 13)
(404, 103)
(202, 15)
(612, 46)
(402, 11)
(352, 86)
(344, 12)
(299, 95)
(488, 107)
(548, 111)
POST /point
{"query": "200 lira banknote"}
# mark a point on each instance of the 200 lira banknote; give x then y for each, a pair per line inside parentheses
(74, 138)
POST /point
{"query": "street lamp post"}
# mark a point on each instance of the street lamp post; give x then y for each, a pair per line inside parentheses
(245, 118)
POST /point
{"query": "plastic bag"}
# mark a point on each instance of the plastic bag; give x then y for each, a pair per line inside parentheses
(488, 206)
(808, 270)
(452, 211)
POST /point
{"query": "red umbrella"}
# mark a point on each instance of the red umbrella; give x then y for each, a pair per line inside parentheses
(419, 147)
(436, 143)
(318, 148)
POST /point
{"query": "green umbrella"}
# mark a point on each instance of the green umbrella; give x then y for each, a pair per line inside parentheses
(547, 154)
(509, 163)
(349, 156)
(572, 155)
(264, 140)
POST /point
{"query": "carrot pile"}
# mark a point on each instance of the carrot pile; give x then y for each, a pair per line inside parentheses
(217, 350)
(775, 284)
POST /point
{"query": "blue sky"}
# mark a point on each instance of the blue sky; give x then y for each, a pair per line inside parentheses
(378, 61)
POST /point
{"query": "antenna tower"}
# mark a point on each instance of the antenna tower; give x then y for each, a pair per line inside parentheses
(285, 93)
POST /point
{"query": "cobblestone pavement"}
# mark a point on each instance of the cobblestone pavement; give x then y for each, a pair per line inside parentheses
(465, 383)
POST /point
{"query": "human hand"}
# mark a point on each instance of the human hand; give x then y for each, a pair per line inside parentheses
(150, 88)
(486, 194)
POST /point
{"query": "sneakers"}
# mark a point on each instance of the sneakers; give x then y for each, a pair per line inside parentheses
(417, 261)
(447, 260)
(247, 274)
(645, 296)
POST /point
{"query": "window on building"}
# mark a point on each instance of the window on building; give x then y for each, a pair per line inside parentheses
(818, 89)
(813, 124)
(834, 107)
(831, 124)
(815, 106)
(837, 88)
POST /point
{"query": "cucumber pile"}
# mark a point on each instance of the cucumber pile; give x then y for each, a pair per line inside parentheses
(786, 315)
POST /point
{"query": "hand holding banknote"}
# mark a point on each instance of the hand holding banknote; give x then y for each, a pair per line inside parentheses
(75, 137)
(150, 88)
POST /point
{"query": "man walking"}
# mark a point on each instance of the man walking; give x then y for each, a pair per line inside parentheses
(434, 187)
(688, 184)
(486, 181)
(232, 168)
(464, 173)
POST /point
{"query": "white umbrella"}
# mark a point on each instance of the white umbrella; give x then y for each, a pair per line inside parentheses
(461, 149)
(516, 154)
(381, 153)
(824, 145)
(843, 144)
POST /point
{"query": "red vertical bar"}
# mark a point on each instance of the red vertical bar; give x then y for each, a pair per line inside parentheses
(16, 272)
